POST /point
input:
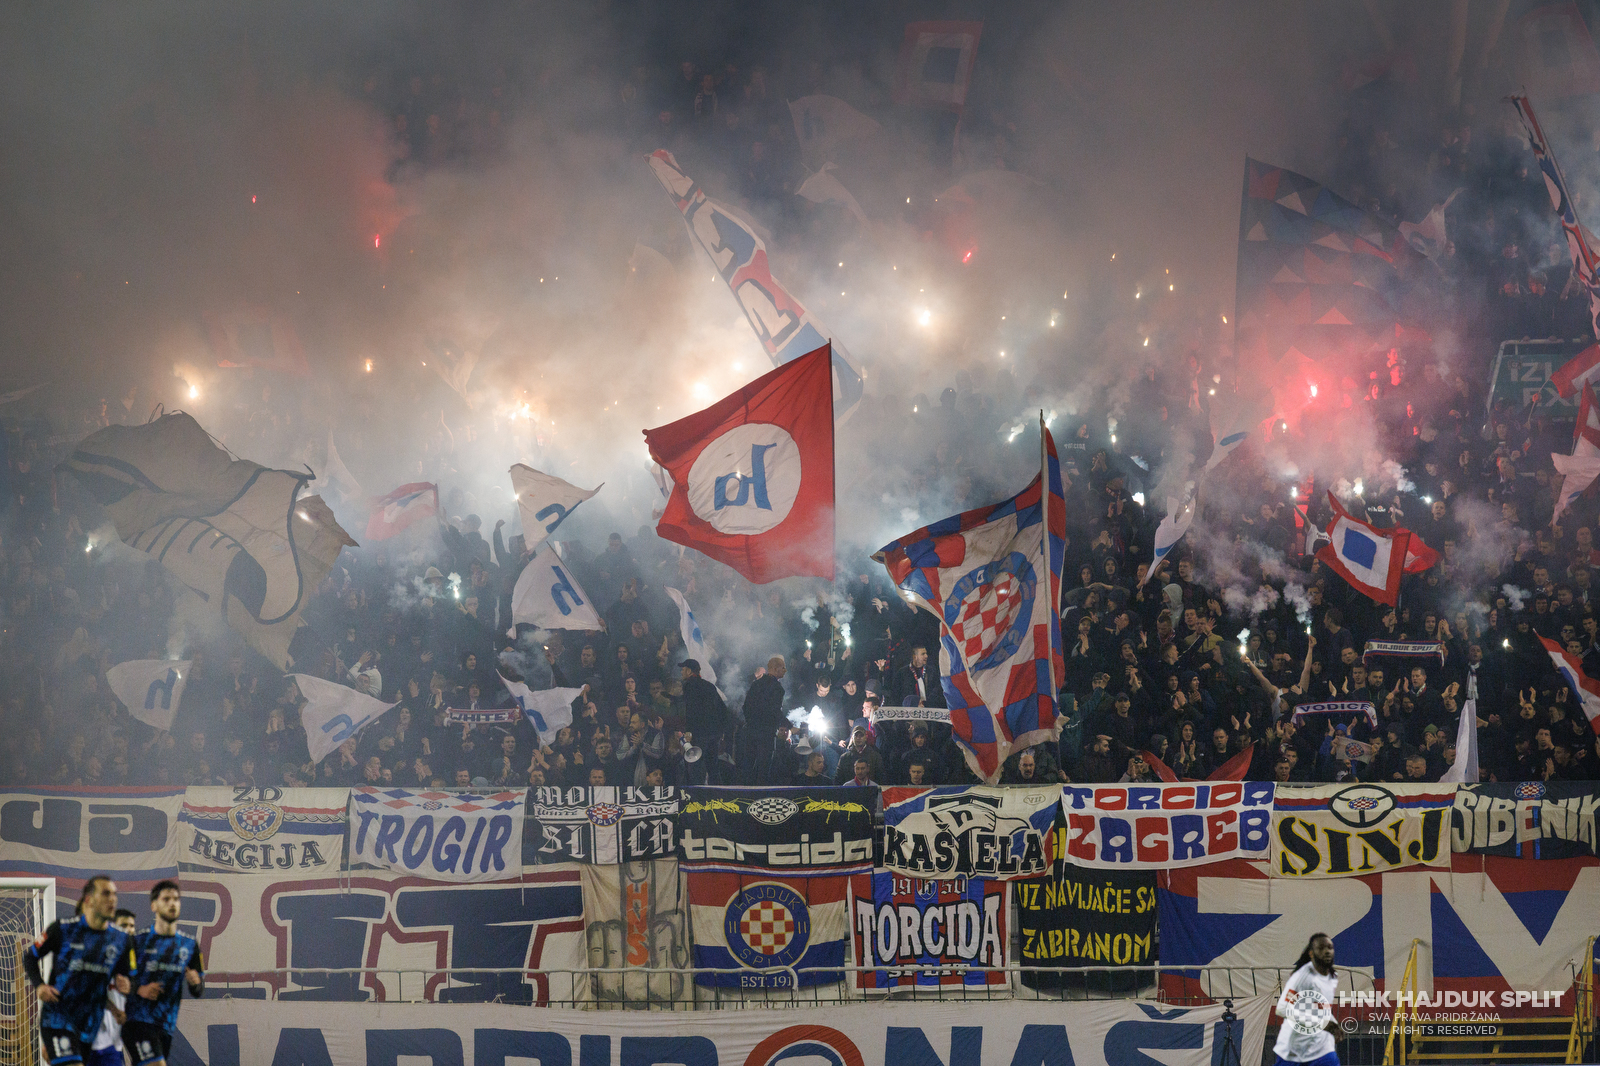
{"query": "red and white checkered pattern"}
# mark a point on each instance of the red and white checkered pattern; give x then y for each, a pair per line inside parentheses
(767, 927)
(986, 617)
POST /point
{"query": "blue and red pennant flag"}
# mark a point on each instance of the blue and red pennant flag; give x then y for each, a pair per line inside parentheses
(992, 576)
(402, 508)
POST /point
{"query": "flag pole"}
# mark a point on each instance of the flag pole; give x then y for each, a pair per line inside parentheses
(1055, 593)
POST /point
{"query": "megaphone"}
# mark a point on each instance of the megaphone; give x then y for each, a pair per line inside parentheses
(692, 754)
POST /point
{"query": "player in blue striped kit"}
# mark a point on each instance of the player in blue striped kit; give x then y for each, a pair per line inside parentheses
(91, 957)
(166, 961)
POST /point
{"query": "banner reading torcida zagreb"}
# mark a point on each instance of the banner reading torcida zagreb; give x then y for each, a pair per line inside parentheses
(1344, 830)
(1164, 827)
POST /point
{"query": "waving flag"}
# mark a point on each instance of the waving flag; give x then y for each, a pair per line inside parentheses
(786, 330)
(1317, 276)
(238, 534)
(1585, 263)
(935, 67)
(1419, 557)
(549, 710)
(992, 576)
(333, 713)
(151, 689)
(402, 508)
(694, 644)
(544, 501)
(1179, 517)
(753, 475)
(1371, 559)
(1465, 769)
(1585, 688)
(547, 595)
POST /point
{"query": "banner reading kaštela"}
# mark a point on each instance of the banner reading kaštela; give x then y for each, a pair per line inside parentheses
(1165, 827)
(976, 831)
(1341, 830)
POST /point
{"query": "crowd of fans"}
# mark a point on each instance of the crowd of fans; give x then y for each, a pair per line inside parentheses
(1201, 663)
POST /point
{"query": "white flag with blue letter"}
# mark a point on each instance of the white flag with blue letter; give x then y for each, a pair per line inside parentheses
(548, 595)
(1180, 516)
(151, 689)
(333, 713)
(544, 500)
(694, 644)
(548, 711)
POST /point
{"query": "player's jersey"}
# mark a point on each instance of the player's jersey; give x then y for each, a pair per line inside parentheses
(85, 962)
(164, 959)
(1306, 1003)
(110, 1034)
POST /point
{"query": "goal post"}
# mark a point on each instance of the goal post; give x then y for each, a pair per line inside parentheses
(27, 906)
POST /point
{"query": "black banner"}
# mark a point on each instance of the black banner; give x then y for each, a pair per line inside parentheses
(796, 831)
(1531, 819)
(603, 825)
(1082, 917)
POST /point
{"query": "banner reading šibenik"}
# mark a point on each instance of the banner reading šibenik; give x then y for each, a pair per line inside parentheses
(1166, 826)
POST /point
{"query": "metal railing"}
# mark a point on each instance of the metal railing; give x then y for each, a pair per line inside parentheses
(644, 988)
(1398, 1047)
(1580, 1040)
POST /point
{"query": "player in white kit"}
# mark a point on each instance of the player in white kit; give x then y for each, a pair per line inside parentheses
(1306, 1007)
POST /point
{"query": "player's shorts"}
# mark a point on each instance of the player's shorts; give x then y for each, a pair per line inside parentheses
(1330, 1059)
(146, 1043)
(106, 1056)
(61, 1045)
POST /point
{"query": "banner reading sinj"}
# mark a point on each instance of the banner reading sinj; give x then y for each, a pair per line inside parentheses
(442, 836)
(1165, 827)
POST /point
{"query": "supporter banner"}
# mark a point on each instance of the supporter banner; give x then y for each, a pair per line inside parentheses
(443, 836)
(262, 830)
(912, 714)
(761, 921)
(1403, 649)
(492, 1034)
(1351, 750)
(494, 716)
(633, 916)
(803, 832)
(604, 824)
(905, 921)
(1530, 819)
(977, 831)
(1079, 917)
(1340, 830)
(1165, 827)
(1486, 924)
(80, 832)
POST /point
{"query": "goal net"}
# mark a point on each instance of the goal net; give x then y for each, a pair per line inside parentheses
(27, 905)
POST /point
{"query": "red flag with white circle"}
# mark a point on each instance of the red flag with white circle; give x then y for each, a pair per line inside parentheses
(753, 474)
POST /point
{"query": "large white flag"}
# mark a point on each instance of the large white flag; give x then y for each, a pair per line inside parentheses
(336, 475)
(333, 713)
(548, 711)
(822, 187)
(822, 123)
(547, 595)
(1465, 768)
(693, 643)
(544, 501)
(1180, 516)
(151, 689)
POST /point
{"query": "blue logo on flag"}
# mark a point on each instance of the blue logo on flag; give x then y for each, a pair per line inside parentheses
(1359, 548)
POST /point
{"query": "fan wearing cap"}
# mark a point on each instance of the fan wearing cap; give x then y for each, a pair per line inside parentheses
(859, 748)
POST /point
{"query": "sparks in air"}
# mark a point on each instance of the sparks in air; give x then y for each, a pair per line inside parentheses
(377, 239)
(1313, 392)
(369, 366)
(924, 317)
(967, 258)
(194, 392)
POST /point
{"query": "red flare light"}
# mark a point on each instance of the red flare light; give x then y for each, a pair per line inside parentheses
(968, 257)
(375, 240)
